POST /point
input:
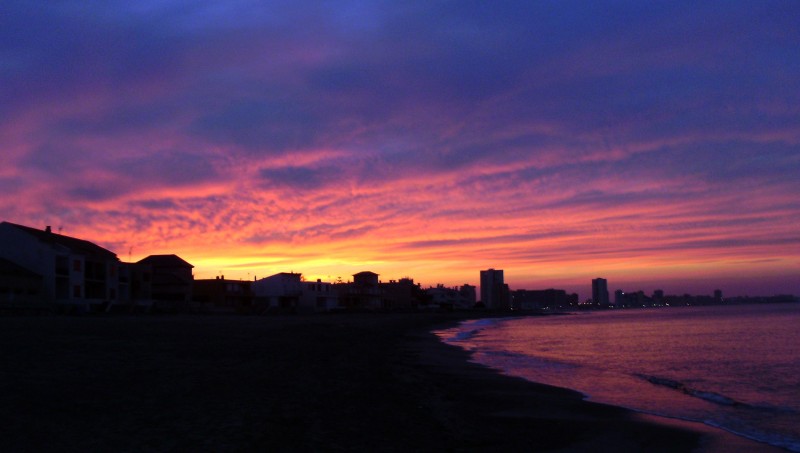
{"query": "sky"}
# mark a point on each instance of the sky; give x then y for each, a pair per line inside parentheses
(656, 144)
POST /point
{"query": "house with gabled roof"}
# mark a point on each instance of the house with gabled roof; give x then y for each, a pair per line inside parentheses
(76, 274)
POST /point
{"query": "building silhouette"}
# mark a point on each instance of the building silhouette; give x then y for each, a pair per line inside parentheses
(224, 293)
(279, 292)
(319, 296)
(288, 292)
(170, 282)
(364, 293)
(523, 299)
(455, 298)
(600, 292)
(494, 292)
(402, 294)
(75, 274)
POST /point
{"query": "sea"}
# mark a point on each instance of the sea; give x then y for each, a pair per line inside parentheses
(732, 367)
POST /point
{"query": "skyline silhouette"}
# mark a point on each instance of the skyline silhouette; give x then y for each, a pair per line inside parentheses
(43, 268)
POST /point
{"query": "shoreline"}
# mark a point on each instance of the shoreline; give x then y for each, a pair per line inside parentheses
(711, 439)
(349, 382)
(714, 439)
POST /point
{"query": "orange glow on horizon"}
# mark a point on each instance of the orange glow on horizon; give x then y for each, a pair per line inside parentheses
(427, 155)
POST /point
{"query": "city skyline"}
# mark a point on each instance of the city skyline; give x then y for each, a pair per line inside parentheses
(21, 256)
(657, 146)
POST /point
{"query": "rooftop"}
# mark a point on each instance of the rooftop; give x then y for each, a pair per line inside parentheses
(76, 245)
(165, 261)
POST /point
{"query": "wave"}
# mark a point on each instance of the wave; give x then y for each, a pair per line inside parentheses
(486, 322)
(776, 440)
(713, 397)
(463, 335)
(750, 432)
(526, 361)
(702, 394)
(466, 330)
(749, 412)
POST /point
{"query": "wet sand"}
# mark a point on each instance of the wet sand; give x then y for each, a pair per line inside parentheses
(365, 382)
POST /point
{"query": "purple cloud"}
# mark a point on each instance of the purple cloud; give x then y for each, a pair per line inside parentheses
(379, 117)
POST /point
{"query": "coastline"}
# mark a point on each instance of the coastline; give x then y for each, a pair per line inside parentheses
(349, 382)
(710, 439)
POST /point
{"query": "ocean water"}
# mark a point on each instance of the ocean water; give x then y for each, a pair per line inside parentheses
(732, 367)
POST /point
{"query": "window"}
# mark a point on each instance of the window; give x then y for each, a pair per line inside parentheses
(76, 265)
(76, 291)
(62, 265)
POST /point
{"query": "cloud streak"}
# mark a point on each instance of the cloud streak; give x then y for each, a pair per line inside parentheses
(559, 141)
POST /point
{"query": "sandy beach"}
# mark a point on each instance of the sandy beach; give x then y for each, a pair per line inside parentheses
(346, 382)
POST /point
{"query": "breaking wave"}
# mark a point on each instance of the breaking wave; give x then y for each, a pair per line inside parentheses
(712, 397)
(469, 329)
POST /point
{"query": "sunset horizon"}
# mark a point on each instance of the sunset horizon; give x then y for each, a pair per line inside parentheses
(656, 146)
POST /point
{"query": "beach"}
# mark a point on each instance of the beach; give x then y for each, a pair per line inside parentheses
(335, 382)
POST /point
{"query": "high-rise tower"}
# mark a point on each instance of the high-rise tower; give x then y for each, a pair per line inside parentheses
(600, 292)
(494, 292)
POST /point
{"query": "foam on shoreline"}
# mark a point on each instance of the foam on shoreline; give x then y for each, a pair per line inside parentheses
(713, 438)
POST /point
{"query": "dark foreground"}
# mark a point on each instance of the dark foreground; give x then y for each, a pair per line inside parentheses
(320, 383)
